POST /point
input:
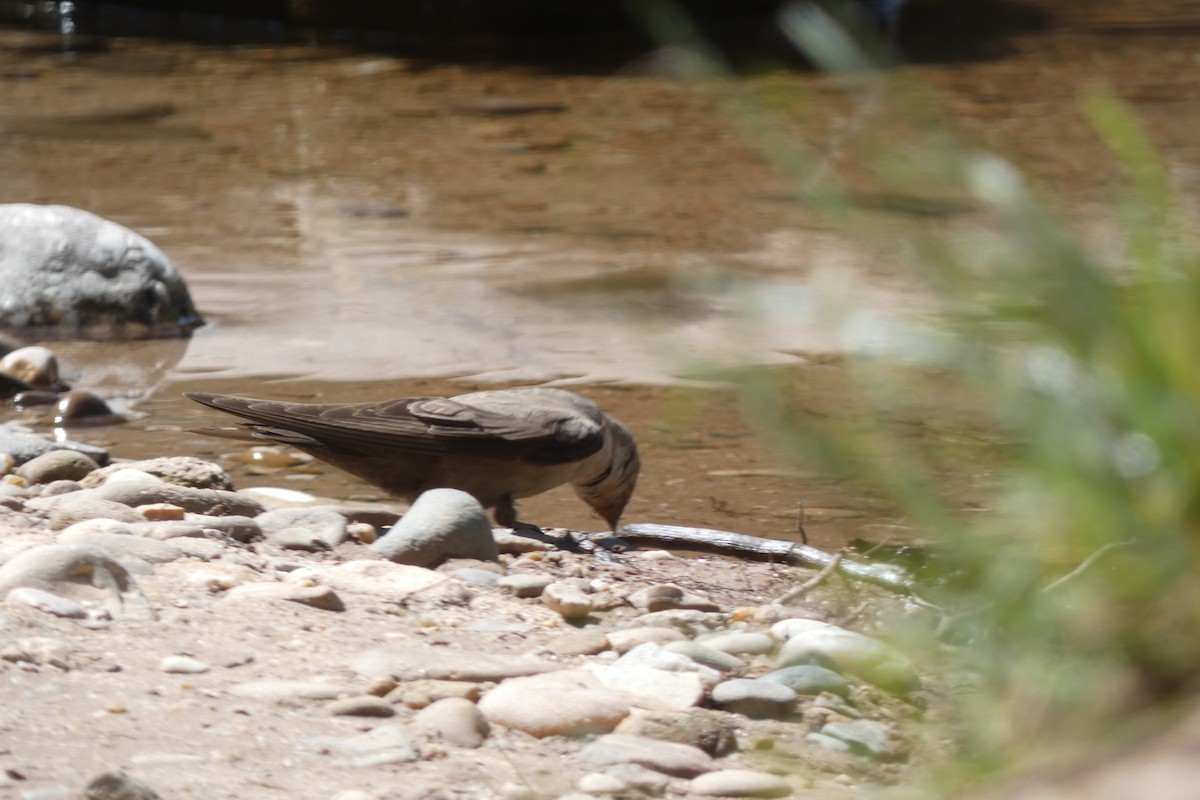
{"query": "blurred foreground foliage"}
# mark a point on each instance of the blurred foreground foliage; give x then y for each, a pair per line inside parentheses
(1076, 611)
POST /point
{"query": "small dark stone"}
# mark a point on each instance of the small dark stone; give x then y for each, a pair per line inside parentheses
(35, 397)
(83, 408)
(117, 785)
(10, 386)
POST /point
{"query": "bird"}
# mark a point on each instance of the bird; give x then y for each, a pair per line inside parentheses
(496, 445)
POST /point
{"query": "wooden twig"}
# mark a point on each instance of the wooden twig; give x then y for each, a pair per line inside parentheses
(886, 576)
(1083, 567)
(800, 513)
(796, 592)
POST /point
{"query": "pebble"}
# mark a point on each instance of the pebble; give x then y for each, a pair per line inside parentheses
(828, 742)
(473, 576)
(669, 758)
(180, 470)
(25, 446)
(203, 549)
(650, 654)
(98, 525)
(77, 409)
(382, 578)
(865, 656)
(117, 785)
(600, 783)
(647, 687)
(690, 622)
(637, 777)
(168, 529)
(440, 523)
(78, 572)
(625, 640)
(567, 600)
(705, 655)
(161, 512)
(810, 679)
(361, 705)
(757, 699)
(524, 584)
(657, 598)
(667, 596)
(453, 720)
(183, 665)
(421, 693)
(579, 643)
(33, 398)
(56, 465)
(46, 602)
(14, 388)
(320, 597)
(323, 528)
(146, 489)
(39, 650)
(785, 629)
(362, 532)
(865, 736)
(383, 744)
(60, 487)
(751, 643)
(216, 579)
(298, 539)
(409, 662)
(236, 526)
(123, 545)
(714, 732)
(567, 703)
(740, 783)
(35, 365)
(66, 510)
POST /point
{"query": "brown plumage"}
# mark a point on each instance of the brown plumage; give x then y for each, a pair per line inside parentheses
(496, 445)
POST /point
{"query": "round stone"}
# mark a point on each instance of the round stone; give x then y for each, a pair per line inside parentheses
(758, 699)
(740, 783)
(810, 679)
(441, 523)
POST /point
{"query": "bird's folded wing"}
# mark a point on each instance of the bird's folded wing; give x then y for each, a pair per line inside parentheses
(422, 425)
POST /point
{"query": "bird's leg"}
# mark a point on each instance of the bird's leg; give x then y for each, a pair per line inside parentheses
(506, 517)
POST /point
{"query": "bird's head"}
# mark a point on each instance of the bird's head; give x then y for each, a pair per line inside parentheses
(608, 490)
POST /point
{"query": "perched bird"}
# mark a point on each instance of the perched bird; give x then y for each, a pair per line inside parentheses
(495, 445)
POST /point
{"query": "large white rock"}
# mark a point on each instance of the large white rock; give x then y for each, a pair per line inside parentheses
(568, 703)
(66, 272)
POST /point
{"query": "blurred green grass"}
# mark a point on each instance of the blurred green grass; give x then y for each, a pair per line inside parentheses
(1076, 600)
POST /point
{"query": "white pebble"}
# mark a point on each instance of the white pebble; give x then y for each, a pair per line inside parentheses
(183, 665)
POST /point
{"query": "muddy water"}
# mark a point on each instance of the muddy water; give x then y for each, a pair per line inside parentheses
(357, 225)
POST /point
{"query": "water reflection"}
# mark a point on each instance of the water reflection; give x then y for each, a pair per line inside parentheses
(380, 296)
(123, 373)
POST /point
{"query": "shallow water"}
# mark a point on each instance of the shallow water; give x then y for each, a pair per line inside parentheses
(356, 224)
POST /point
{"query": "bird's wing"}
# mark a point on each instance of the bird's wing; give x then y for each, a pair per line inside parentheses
(434, 426)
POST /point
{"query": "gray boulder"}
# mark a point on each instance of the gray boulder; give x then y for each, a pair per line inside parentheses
(439, 524)
(66, 273)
